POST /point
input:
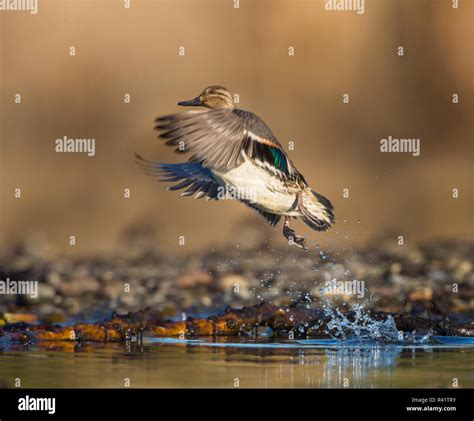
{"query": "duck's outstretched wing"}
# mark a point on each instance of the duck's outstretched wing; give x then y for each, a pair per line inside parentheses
(192, 176)
(221, 139)
(213, 137)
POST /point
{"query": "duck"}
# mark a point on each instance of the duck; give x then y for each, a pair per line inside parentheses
(234, 154)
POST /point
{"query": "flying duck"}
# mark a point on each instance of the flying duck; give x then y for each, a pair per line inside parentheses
(235, 155)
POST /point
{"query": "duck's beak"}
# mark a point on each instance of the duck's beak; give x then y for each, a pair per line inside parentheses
(191, 103)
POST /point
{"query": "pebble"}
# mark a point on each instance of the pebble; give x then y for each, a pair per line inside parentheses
(400, 278)
(193, 279)
(421, 294)
(79, 286)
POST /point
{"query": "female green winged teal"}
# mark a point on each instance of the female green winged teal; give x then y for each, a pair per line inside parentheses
(235, 151)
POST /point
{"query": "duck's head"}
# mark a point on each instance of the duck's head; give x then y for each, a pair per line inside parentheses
(211, 97)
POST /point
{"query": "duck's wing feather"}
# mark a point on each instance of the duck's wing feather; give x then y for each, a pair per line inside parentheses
(213, 137)
(272, 157)
(196, 179)
(271, 218)
(220, 139)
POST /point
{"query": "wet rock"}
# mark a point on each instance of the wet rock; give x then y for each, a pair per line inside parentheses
(46, 292)
(438, 276)
(72, 306)
(399, 278)
(193, 279)
(80, 286)
(462, 269)
(154, 299)
(114, 290)
(130, 300)
(421, 294)
(235, 284)
(50, 314)
(395, 268)
(20, 317)
(54, 279)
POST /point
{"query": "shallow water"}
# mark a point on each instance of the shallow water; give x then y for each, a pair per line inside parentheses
(226, 362)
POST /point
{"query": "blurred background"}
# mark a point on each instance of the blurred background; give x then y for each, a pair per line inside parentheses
(135, 51)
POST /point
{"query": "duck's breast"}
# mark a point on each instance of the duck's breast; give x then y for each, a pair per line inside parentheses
(257, 185)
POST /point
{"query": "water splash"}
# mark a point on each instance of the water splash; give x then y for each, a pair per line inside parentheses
(360, 326)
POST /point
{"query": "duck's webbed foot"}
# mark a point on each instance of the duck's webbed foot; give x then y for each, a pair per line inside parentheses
(292, 237)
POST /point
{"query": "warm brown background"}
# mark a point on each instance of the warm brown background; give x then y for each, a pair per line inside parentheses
(135, 51)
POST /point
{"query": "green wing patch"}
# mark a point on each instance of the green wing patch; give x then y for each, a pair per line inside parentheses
(267, 153)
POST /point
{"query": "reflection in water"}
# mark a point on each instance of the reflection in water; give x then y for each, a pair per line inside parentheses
(217, 362)
(359, 363)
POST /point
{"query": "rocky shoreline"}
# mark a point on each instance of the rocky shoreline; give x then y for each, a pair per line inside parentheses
(428, 280)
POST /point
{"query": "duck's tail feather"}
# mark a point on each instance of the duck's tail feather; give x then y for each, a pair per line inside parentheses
(192, 176)
(317, 211)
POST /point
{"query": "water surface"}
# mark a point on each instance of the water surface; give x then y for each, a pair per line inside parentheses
(227, 362)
